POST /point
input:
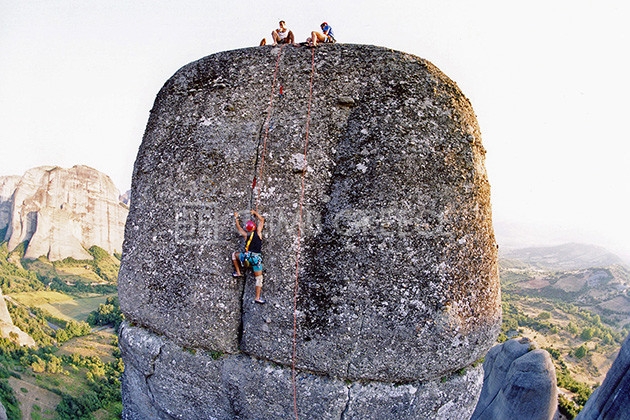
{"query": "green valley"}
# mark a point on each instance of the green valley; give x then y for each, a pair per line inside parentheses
(70, 308)
(579, 314)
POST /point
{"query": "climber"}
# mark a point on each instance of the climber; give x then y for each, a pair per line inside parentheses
(282, 35)
(253, 251)
(325, 36)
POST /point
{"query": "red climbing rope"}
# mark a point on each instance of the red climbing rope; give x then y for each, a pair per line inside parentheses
(266, 128)
(299, 236)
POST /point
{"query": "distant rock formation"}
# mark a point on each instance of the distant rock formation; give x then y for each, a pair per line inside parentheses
(7, 188)
(519, 383)
(125, 198)
(7, 327)
(60, 212)
(397, 293)
(611, 400)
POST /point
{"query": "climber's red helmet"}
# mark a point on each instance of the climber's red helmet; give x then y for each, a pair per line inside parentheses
(250, 226)
(323, 24)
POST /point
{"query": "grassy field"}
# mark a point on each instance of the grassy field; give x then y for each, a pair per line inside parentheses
(35, 402)
(99, 343)
(61, 305)
(76, 273)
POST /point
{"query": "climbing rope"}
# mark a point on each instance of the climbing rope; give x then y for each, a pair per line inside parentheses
(265, 128)
(299, 236)
(251, 194)
(263, 136)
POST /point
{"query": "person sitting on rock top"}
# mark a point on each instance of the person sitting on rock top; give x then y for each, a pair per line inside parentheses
(282, 35)
(253, 251)
(325, 36)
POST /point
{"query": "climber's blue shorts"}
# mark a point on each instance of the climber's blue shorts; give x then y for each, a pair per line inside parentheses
(252, 258)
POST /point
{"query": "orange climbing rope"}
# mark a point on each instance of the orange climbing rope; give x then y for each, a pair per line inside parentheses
(299, 236)
(266, 132)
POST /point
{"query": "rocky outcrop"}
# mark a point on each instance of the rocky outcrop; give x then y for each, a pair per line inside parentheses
(165, 381)
(60, 213)
(397, 279)
(7, 187)
(9, 330)
(611, 400)
(519, 383)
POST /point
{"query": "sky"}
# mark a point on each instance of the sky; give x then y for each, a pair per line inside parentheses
(548, 81)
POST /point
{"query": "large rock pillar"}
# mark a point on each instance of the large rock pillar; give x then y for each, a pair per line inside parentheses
(398, 279)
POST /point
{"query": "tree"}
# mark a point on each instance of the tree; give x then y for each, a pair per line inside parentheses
(38, 365)
(61, 336)
(54, 365)
(587, 334)
(580, 352)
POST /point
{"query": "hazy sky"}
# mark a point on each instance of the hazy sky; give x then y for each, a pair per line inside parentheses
(549, 82)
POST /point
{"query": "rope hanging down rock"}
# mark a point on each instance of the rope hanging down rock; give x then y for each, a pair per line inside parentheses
(264, 135)
(299, 235)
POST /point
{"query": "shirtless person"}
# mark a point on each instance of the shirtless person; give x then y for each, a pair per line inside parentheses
(282, 35)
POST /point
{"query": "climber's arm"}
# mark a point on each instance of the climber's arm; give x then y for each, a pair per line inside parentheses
(240, 230)
(260, 224)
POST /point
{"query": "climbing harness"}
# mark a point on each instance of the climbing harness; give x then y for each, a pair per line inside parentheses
(249, 241)
(299, 235)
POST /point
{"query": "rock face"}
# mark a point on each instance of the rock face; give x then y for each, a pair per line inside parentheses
(397, 272)
(519, 383)
(7, 327)
(611, 400)
(164, 381)
(62, 212)
(7, 187)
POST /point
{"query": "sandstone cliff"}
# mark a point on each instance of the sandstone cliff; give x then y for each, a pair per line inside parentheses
(60, 212)
(7, 187)
(397, 292)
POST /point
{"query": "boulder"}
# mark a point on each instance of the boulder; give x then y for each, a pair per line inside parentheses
(384, 271)
(611, 400)
(519, 383)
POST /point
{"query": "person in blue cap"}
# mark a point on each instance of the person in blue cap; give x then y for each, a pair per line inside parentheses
(326, 35)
